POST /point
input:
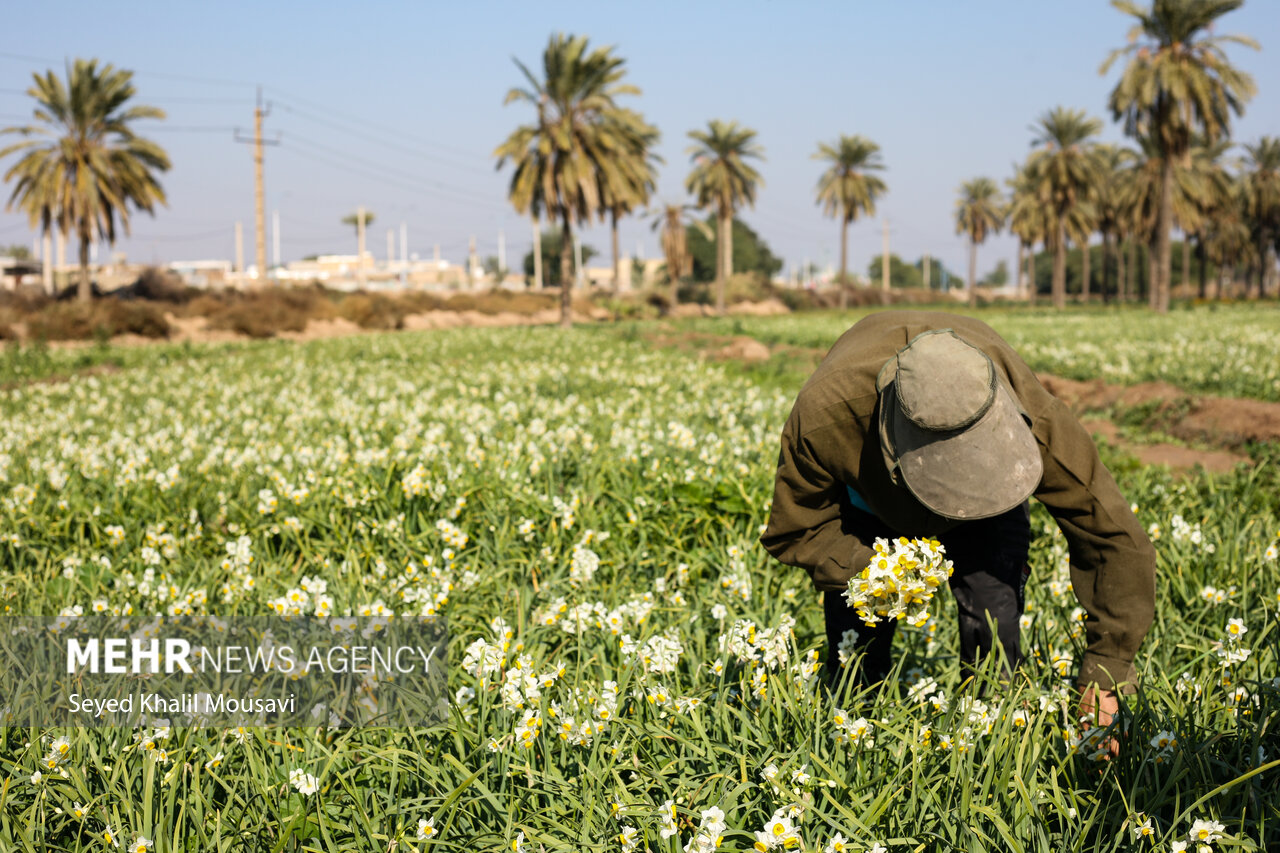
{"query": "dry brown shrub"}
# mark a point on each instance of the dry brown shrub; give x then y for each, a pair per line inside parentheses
(79, 321)
(259, 314)
(515, 302)
(421, 301)
(262, 313)
(373, 311)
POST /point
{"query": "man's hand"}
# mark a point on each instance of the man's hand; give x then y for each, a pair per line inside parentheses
(1099, 708)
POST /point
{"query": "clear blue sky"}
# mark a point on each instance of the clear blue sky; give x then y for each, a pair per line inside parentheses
(948, 90)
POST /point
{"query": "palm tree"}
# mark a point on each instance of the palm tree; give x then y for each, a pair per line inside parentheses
(353, 219)
(1027, 220)
(1227, 239)
(1216, 188)
(85, 166)
(561, 159)
(1177, 79)
(673, 223)
(1065, 174)
(979, 214)
(848, 188)
(1260, 182)
(722, 178)
(1112, 159)
(1140, 190)
(629, 178)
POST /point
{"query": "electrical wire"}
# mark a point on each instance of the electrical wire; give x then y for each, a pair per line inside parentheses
(364, 123)
(394, 171)
(380, 139)
(398, 183)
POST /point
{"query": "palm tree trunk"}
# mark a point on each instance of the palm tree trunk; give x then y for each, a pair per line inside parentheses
(1200, 260)
(1153, 274)
(1121, 272)
(1022, 251)
(1186, 261)
(1163, 248)
(1131, 274)
(84, 292)
(1031, 274)
(1264, 246)
(844, 263)
(1106, 268)
(973, 272)
(1060, 269)
(537, 255)
(566, 271)
(722, 267)
(1085, 272)
(617, 262)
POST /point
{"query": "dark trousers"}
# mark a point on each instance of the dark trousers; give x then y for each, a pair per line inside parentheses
(989, 582)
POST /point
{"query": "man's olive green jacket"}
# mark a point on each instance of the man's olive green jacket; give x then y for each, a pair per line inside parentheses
(831, 441)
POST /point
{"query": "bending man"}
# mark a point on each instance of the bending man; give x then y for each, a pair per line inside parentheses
(929, 424)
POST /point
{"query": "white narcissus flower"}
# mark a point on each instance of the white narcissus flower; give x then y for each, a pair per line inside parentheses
(426, 828)
(304, 782)
(668, 819)
(1205, 831)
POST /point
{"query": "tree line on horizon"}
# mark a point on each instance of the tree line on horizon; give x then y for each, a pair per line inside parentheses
(585, 157)
(82, 167)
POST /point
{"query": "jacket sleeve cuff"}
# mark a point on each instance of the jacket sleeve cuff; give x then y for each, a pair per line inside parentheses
(1108, 673)
(834, 574)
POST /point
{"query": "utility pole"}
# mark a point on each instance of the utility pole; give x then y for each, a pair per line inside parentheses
(391, 249)
(471, 261)
(360, 277)
(259, 195)
(239, 252)
(404, 254)
(884, 258)
(502, 253)
(275, 238)
(927, 270)
(537, 255)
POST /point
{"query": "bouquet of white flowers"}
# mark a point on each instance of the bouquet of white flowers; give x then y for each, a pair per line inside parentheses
(900, 581)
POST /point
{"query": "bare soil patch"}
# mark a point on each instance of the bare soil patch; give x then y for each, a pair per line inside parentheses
(1178, 457)
(1229, 421)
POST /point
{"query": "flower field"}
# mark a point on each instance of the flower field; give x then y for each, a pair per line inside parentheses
(628, 669)
(1227, 350)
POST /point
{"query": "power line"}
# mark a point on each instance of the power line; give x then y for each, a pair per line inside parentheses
(395, 172)
(179, 128)
(166, 238)
(378, 139)
(398, 183)
(349, 119)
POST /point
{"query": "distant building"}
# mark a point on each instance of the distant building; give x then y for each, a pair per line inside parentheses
(16, 273)
(206, 274)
